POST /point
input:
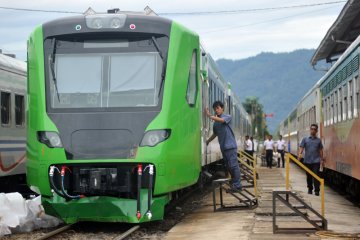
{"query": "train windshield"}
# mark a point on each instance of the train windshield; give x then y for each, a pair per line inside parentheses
(105, 73)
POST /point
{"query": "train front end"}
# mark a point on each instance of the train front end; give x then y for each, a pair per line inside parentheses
(98, 129)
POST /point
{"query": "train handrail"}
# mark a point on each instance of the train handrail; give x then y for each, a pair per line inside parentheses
(321, 180)
(243, 154)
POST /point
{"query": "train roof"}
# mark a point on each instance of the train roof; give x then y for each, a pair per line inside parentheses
(12, 64)
(344, 31)
(348, 51)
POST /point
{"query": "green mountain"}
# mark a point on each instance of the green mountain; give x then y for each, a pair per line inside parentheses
(280, 80)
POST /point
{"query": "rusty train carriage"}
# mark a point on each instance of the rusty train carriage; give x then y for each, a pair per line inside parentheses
(333, 103)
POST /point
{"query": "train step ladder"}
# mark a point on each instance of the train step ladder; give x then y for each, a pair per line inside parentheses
(246, 199)
(291, 200)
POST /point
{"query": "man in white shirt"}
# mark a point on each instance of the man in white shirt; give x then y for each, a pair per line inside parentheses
(269, 147)
(248, 147)
(281, 149)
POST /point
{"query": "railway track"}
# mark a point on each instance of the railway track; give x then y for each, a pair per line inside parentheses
(66, 228)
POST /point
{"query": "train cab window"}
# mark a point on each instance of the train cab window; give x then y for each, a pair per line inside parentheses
(192, 83)
(19, 110)
(5, 108)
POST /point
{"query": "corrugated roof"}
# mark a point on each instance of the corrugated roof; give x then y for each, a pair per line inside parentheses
(341, 34)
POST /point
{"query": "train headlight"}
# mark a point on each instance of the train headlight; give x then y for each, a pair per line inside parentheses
(153, 137)
(50, 139)
(115, 23)
(101, 21)
(97, 23)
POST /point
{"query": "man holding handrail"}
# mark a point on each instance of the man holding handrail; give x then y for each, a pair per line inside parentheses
(313, 157)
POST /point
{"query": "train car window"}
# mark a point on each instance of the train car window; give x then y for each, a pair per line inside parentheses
(192, 82)
(351, 100)
(5, 108)
(340, 105)
(324, 113)
(332, 109)
(210, 92)
(336, 107)
(19, 110)
(215, 92)
(328, 111)
(345, 108)
(357, 87)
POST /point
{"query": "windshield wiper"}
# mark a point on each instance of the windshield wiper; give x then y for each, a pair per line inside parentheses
(164, 59)
(52, 67)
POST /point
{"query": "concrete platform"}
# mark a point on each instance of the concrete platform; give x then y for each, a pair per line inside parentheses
(342, 216)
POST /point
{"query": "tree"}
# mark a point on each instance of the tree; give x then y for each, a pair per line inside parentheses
(255, 109)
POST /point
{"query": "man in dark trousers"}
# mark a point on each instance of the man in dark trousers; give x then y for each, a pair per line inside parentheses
(313, 157)
(269, 147)
(228, 146)
(281, 149)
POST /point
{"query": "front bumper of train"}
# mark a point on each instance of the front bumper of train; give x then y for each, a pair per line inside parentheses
(105, 209)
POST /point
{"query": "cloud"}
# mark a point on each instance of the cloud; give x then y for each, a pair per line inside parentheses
(248, 34)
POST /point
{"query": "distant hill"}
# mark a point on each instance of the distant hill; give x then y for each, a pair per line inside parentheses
(280, 80)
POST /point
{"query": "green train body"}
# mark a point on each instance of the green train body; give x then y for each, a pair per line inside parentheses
(107, 93)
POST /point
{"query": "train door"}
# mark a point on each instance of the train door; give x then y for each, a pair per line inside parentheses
(205, 125)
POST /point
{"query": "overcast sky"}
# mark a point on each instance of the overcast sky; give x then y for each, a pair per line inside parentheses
(233, 36)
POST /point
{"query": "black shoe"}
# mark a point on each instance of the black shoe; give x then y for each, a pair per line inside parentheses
(234, 189)
(317, 193)
(309, 191)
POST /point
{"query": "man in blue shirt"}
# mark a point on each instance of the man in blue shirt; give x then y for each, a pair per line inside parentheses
(313, 157)
(228, 146)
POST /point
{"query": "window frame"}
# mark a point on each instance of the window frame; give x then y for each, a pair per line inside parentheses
(22, 110)
(9, 109)
(192, 104)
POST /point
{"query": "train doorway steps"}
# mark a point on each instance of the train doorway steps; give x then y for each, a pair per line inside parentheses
(246, 199)
(298, 206)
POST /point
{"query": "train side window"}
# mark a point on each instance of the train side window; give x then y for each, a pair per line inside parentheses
(210, 92)
(345, 108)
(192, 83)
(357, 87)
(5, 108)
(340, 106)
(332, 108)
(19, 110)
(351, 100)
(336, 107)
(324, 111)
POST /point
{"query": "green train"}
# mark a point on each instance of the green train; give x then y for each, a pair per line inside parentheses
(116, 120)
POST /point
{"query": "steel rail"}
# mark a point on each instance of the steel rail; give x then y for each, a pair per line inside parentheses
(127, 233)
(57, 231)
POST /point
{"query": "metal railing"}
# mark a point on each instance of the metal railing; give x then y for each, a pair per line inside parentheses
(243, 158)
(292, 158)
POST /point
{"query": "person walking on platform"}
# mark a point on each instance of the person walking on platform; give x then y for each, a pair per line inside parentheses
(228, 146)
(248, 148)
(281, 149)
(269, 147)
(313, 157)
